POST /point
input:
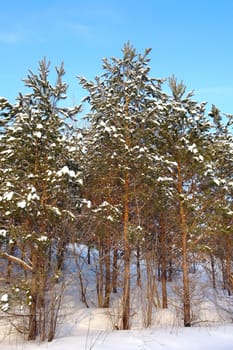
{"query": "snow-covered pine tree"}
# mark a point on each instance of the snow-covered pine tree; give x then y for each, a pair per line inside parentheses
(183, 141)
(35, 203)
(219, 194)
(124, 102)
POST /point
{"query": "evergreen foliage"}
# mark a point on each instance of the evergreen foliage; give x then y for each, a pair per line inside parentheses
(35, 201)
(148, 182)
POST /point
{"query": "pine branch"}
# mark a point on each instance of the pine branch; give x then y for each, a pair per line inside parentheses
(16, 260)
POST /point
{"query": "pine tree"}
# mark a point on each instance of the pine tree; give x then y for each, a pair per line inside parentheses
(123, 103)
(183, 141)
(35, 192)
(219, 194)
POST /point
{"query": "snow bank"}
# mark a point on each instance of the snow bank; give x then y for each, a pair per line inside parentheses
(220, 338)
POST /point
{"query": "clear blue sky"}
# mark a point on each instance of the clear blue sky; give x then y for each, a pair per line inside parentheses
(192, 39)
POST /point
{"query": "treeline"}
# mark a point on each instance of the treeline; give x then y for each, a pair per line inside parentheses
(149, 181)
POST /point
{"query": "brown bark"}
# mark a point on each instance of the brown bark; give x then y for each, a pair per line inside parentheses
(126, 280)
(152, 294)
(213, 271)
(114, 271)
(228, 263)
(16, 260)
(184, 236)
(100, 277)
(138, 267)
(150, 291)
(223, 266)
(32, 333)
(107, 276)
(170, 272)
(163, 261)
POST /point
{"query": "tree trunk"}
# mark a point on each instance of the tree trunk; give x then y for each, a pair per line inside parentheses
(223, 266)
(107, 276)
(114, 271)
(228, 264)
(138, 267)
(213, 271)
(126, 279)
(32, 333)
(170, 271)
(152, 294)
(61, 254)
(100, 277)
(159, 269)
(163, 261)
(184, 236)
(89, 255)
(150, 290)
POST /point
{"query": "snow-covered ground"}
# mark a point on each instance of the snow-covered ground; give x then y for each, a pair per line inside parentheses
(85, 329)
(196, 338)
(92, 328)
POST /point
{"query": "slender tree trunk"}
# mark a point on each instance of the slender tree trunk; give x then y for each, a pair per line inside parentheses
(89, 255)
(100, 277)
(126, 280)
(152, 294)
(213, 271)
(228, 263)
(223, 266)
(34, 297)
(184, 236)
(170, 271)
(32, 319)
(159, 269)
(150, 290)
(163, 261)
(107, 275)
(138, 267)
(61, 254)
(114, 270)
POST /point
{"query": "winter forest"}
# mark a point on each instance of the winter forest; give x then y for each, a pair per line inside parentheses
(133, 210)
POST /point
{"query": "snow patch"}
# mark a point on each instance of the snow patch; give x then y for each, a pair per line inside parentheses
(4, 298)
(22, 204)
(8, 195)
(37, 134)
(66, 171)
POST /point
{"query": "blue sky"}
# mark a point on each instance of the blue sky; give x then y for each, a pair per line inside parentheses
(192, 39)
